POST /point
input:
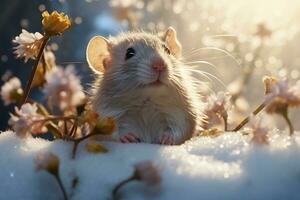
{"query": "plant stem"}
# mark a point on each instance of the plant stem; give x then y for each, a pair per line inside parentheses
(119, 185)
(52, 118)
(288, 121)
(225, 122)
(246, 120)
(29, 83)
(61, 186)
(76, 143)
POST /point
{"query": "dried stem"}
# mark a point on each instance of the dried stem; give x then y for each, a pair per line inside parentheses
(77, 141)
(119, 185)
(53, 118)
(246, 120)
(225, 119)
(288, 121)
(29, 83)
(63, 190)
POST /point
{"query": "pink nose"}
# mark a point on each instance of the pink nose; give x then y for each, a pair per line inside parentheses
(159, 65)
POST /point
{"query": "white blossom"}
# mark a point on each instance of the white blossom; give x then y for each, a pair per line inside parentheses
(260, 127)
(11, 91)
(279, 94)
(28, 44)
(26, 120)
(217, 106)
(63, 88)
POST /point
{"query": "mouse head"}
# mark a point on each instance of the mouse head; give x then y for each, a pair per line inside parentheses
(135, 59)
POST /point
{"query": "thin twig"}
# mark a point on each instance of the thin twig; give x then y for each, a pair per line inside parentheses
(225, 122)
(119, 185)
(246, 120)
(30, 80)
(77, 141)
(53, 118)
(288, 121)
(63, 190)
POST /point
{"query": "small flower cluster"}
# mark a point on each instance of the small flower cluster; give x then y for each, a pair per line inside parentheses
(280, 95)
(260, 128)
(28, 45)
(216, 109)
(27, 121)
(66, 114)
(63, 88)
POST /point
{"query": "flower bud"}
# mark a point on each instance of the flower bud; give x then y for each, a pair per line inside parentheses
(48, 162)
(55, 23)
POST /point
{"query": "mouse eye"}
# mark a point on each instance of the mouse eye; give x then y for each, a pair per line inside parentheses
(130, 52)
(166, 49)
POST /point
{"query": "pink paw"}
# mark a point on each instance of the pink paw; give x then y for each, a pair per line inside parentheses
(129, 138)
(167, 139)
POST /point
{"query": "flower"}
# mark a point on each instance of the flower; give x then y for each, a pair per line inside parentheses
(93, 147)
(216, 107)
(63, 88)
(279, 95)
(89, 116)
(147, 172)
(105, 126)
(28, 45)
(26, 120)
(260, 127)
(55, 23)
(48, 162)
(11, 91)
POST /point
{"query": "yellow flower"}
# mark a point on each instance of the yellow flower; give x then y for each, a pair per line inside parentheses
(48, 162)
(105, 126)
(90, 117)
(55, 23)
(93, 147)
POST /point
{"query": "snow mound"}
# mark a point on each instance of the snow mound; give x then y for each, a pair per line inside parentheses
(224, 167)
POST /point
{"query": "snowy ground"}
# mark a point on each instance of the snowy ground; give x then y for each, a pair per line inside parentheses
(225, 167)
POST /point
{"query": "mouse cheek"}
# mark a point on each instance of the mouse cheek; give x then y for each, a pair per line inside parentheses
(107, 62)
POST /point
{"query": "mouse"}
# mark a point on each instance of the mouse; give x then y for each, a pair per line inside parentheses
(141, 81)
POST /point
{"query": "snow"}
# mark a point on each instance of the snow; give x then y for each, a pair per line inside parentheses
(229, 166)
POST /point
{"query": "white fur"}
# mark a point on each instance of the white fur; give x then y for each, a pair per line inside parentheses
(146, 110)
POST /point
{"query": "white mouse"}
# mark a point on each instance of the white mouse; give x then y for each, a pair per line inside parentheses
(141, 82)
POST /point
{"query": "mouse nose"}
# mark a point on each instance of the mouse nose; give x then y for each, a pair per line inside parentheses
(159, 65)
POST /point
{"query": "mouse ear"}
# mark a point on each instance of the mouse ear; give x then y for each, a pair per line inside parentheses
(171, 40)
(96, 52)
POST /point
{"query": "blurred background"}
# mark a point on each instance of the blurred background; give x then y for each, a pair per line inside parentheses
(239, 41)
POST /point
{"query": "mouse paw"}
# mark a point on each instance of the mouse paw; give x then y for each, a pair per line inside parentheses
(167, 139)
(129, 138)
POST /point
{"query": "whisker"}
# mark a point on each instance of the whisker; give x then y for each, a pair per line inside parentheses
(208, 75)
(217, 57)
(216, 49)
(200, 62)
(79, 62)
